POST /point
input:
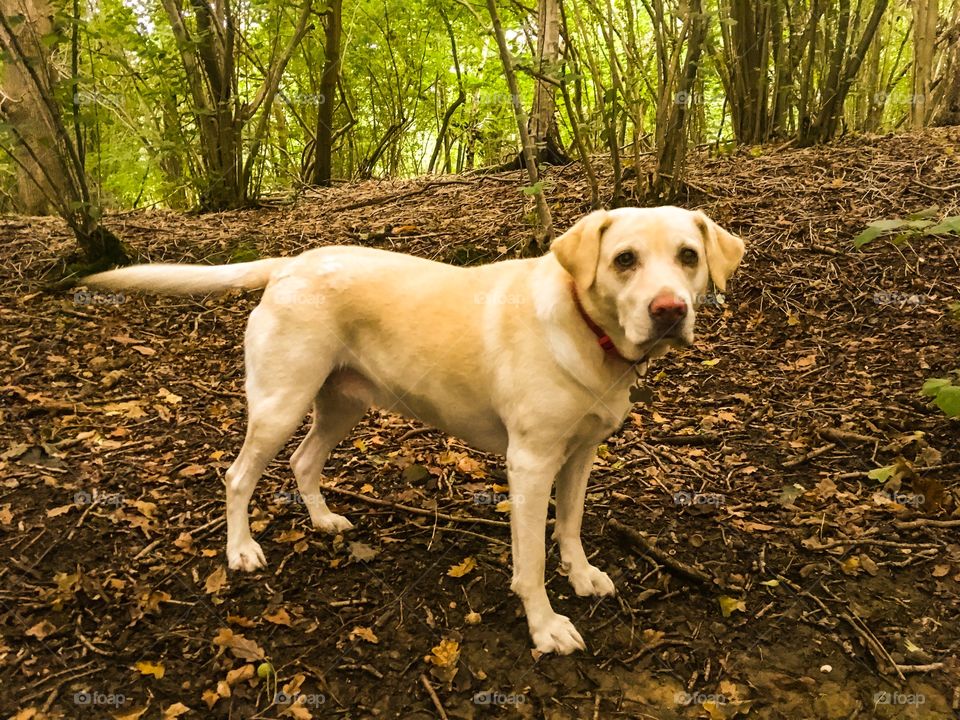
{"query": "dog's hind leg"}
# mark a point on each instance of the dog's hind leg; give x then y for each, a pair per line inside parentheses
(339, 405)
(283, 377)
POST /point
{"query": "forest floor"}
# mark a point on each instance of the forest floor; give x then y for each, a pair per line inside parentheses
(829, 593)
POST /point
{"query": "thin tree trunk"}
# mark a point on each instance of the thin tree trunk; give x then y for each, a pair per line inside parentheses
(925, 16)
(526, 143)
(323, 164)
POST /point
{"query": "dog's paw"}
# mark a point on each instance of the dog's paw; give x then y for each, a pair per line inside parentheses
(591, 580)
(556, 634)
(246, 556)
(332, 523)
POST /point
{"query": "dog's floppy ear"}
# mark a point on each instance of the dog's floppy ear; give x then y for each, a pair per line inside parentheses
(724, 250)
(578, 249)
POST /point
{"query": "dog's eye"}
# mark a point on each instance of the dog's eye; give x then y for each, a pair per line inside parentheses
(625, 260)
(689, 256)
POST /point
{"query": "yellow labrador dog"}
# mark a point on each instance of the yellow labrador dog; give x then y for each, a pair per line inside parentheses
(532, 359)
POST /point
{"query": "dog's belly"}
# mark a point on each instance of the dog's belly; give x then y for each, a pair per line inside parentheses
(461, 415)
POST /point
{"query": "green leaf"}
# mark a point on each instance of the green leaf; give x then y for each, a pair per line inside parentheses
(930, 212)
(887, 225)
(867, 236)
(948, 400)
(534, 189)
(947, 226)
(933, 386)
(881, 474)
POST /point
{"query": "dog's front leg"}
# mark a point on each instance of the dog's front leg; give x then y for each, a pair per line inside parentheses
(531, 475)
(585, 578)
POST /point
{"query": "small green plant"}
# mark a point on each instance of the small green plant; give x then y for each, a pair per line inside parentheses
(918, 224)
(945, 393)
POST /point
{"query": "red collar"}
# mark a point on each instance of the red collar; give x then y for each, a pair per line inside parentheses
(603, 340)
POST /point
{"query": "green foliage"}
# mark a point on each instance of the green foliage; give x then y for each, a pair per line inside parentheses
(133, 103)
(916, 225)
(945, 393)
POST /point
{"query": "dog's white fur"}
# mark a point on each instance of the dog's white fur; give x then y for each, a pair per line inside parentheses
(497, 355)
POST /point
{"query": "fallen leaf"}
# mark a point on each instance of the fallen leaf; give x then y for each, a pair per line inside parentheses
(41, 630)
(148, 668)
(238, 645)
(211, 697)
(175, 711)
(216, 580)
(364, 633)
(362, 552)
(244, 672)
(290, 536)
(462, 568)
(729, 605)
(280, 617)
(131, 715)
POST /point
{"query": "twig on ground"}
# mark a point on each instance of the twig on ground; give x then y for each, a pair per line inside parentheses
(800, 459)
(433, 696)
(642, 544)
(415, 510)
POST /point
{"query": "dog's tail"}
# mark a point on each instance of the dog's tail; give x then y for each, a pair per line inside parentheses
(170, 279)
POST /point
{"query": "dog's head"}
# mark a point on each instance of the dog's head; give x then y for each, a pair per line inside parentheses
(644, 271)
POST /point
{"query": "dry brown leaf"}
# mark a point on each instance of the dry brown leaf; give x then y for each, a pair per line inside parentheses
(364, 633)
(146, 667)
(280, 617)
(461, 569)
(215, 581)
(238, 645)
(175, 711)
(41, 630)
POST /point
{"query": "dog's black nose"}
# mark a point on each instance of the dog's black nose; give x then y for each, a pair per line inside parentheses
(667, 311)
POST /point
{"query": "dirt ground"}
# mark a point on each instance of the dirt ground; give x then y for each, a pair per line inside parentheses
(785, 581)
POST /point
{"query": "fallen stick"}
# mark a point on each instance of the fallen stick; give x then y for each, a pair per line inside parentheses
(925, 522)
(433, 696)
(414, 510)
(809, 455)
(647, 548)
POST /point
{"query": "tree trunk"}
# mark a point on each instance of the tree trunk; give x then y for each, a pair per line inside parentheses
(675, 95)
(543, 117)
(948, 80)
(323, 164)
(925, 15)
(526, 143)
(40, 175)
